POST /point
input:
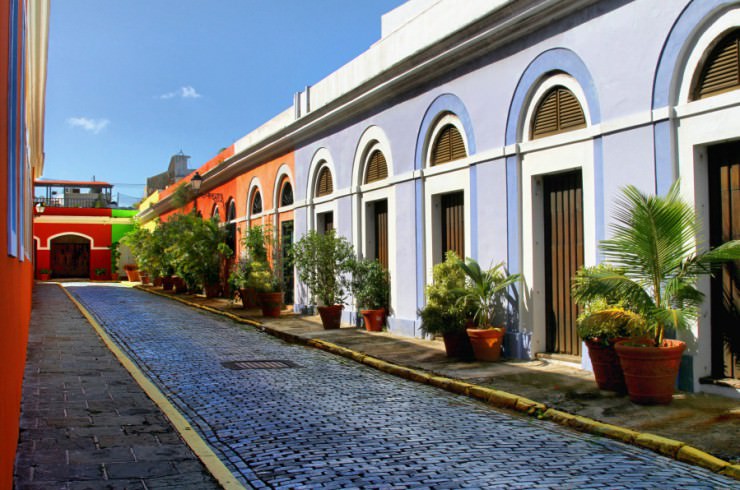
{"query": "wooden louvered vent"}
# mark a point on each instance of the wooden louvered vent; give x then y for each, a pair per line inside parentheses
(558, 112)
(325, 185)
(377, 169)
(721, 70)
(449, 146)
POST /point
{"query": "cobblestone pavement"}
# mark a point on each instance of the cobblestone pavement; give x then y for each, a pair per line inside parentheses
(85, 422)
(330, 423)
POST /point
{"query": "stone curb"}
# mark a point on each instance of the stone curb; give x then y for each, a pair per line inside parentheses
(500, 399)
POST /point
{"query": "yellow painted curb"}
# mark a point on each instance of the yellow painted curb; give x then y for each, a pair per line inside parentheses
(199, 446)
(501, 399)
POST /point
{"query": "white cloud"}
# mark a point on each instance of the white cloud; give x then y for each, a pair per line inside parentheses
(187, 92)
(93, 125)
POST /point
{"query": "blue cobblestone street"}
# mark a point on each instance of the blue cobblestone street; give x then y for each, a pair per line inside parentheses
(327, 422)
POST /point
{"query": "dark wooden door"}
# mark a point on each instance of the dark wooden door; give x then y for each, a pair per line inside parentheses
(563, 256)
(70, 259)
(453, 224)
(286, 243)
(380, 231)
(724, 212)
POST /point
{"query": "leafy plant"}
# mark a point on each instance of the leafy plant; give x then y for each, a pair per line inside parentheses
(44, 271)
(444, 312)
(655, 264)
(239, 276)
(321, 260)
(369, 284)
(100, 271)
(257, 240)
(485, 290)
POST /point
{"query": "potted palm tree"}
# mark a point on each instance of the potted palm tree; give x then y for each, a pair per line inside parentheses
(444, 314)
(485, 292)
(655, 267)
(370, 285)
(321, 261)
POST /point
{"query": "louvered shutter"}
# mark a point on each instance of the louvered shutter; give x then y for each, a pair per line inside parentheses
(325, 185)
(377, 169)
(449, 146)
(558, 112)
(721, 70)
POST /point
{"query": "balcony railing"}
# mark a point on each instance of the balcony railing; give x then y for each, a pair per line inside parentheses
(72, 202)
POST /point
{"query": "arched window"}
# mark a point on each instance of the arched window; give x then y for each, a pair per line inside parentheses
(286, 193)
(230, 211)
(558, 111)
(324, 184)
(448, 146)
(721, 70)
(377, 168)
(256, 202)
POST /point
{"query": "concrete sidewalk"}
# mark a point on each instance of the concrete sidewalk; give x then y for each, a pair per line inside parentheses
(708, 423)
(85, 422)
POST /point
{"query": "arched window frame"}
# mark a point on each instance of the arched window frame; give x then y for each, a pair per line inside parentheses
(254, 188)
(544, 88)
(447, 119)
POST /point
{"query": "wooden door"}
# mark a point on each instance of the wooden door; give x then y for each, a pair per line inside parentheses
(453, 224)
(380, 232)
(286, 244)
(563, 256)
(70, 259)
(724, 216)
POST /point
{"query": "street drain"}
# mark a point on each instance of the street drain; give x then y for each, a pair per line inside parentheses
(261, 364)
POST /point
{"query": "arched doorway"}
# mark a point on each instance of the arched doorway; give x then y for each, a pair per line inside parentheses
(70, 256)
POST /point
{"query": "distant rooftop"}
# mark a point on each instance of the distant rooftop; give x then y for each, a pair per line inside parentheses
(71, 183)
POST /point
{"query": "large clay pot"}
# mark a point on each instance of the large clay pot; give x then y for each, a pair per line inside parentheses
(486, 343)
(607, 370)
(179, 284)
(457, 344)
(271, 303)
(168, 283)
(157, 281)
(331, 316)
(212, 290)
(132, 275)
(144, 276)
(650, 372)
(374, 319)
(249, 297)
(44, 277)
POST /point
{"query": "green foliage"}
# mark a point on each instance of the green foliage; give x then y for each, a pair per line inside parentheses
(44, 271)
(654, 261)
(321, 261)
(257, 240)
(485, 291)
(100, 271)
(369, 284)
(239, 276)
(115, 256)
(444, 312)
(199, 249)
(181, 196)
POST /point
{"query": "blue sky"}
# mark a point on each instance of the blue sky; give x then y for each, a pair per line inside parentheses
(132, 82)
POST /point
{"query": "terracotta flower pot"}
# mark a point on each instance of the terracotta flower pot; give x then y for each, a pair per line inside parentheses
(607, 370)
(212, 290)
(374, 319)
(249, 297)
(650, 372)
(271, 303)
(331, 316)
(44, 277)
(168, 283)
(486, 343)
(132, 275)
(179, 284)
(144, 277)
(157, 281)
(457, 344)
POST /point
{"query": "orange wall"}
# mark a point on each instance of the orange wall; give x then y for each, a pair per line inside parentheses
(238, 190)
(15, 289)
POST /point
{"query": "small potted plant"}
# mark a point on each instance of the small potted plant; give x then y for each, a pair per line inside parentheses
(100, 273)
(485, 293)
(321, 261)
(655, 267)
(269, 289)
(370, 286)
(444, 314)
(239, 282)
(44, 274)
